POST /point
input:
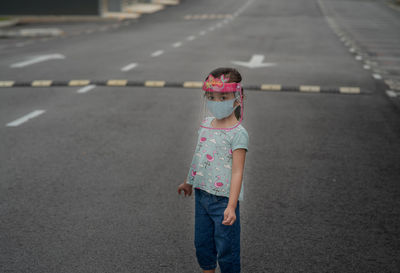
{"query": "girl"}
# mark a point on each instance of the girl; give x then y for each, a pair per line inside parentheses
(216, 173)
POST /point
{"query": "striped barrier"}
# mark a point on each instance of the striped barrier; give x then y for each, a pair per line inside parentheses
(186, 84)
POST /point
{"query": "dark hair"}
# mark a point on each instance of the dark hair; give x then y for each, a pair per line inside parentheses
(234, 76)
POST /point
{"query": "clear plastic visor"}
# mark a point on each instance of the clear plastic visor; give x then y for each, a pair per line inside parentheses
(221, 110)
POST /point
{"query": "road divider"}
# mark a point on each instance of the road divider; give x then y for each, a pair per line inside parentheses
(185, 84)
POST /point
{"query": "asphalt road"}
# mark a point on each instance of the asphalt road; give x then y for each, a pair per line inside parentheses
(89, 185)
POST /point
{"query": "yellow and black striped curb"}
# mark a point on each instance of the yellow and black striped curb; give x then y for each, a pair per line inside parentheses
(185, 84)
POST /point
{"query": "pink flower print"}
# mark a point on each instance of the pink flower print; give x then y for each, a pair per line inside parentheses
(194, 173)
(210, 157)
(202, 139)
(217, 183)
(230, 151)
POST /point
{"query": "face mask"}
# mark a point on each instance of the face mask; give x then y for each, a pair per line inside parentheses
(221, 109)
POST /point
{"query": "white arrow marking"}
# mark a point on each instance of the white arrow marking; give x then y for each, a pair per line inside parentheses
(129, 67)
(25, 118)
(256, 61)
(38, 60)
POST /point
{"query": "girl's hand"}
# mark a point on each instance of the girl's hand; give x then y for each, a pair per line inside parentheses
(229, 216)
(186, 188)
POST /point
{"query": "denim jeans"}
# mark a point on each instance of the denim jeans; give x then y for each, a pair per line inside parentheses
(213, 240)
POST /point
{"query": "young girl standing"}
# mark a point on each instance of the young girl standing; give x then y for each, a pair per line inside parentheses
(216, 173)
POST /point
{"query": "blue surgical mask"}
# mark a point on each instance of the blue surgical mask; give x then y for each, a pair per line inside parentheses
(221, 109)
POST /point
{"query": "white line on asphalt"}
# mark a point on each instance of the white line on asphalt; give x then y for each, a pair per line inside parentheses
(157, 53)
(202, 33)
(377, 76)
(391, 93)
(86, 88)
(367, 67)
(38, 60)
(25, 118)
(211, 28)
(178, 44)
(129, 67)
(191, 38)
(358, 58)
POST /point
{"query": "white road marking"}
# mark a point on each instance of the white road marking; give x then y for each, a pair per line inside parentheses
(367, 67)
(377, 76)
(25, 118)
(129, 67)
(358, 58)
(256, 61)
(191, 38)
(211, 28)
(178, 44)
(157, 53)
(202, 33)
(86, 88)
(391, 93)
(38, 60)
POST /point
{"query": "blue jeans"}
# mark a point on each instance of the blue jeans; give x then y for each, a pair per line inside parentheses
(213, 240)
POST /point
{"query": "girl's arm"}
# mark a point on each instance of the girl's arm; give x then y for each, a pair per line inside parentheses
(239, 156)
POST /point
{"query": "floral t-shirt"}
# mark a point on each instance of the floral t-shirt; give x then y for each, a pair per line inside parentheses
(211, 167)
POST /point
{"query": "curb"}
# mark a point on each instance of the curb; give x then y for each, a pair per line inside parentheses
(29, 19)
(185, 84)
(8, 23)
(32, 32)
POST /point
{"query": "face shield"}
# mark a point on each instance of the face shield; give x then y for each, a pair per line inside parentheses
(222, 104)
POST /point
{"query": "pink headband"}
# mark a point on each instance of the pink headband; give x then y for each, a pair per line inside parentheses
(221, 85)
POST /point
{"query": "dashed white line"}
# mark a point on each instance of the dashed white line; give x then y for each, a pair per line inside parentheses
(38, 60)
(191, 38)
(367, 67)
(86, 88)
(377, 76)
(129, 67)
(211, 28)
(391, 93)
(177, 44)
(157, 53)
(202, 33)
(358, 58)
(25, 118)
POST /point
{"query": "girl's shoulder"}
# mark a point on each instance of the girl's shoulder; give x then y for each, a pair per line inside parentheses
(240, 129)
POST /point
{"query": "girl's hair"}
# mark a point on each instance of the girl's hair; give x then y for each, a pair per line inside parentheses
(234, 76)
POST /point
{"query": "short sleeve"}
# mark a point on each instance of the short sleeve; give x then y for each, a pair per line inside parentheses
(240, 140)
